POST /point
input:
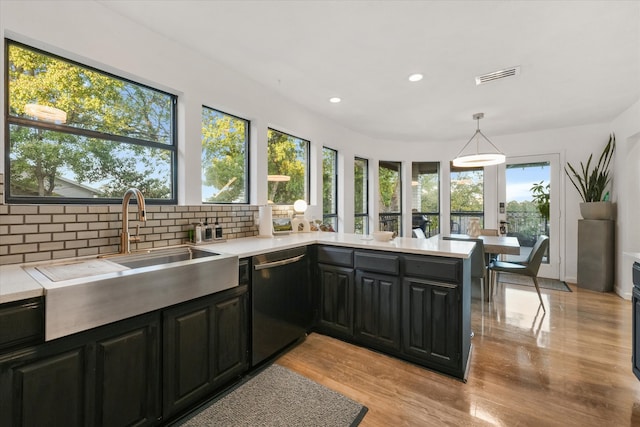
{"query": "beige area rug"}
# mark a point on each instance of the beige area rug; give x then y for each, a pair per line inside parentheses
(278, 397)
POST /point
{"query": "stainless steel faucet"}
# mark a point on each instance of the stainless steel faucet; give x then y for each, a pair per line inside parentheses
(125, 237)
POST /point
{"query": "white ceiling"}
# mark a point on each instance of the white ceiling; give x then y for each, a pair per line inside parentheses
(580, 60)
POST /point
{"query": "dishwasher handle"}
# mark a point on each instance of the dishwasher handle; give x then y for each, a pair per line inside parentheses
(278, 263)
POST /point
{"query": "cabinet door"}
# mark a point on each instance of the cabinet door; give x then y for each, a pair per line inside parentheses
(377, 306)
(127, 378)
(44, 390)
(230, 337)
(336, 299)
(204, 345)
(188, 355)
(431, 328)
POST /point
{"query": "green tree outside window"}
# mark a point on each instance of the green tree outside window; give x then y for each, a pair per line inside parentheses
(115, 134)
(224, 157)
(288, 157)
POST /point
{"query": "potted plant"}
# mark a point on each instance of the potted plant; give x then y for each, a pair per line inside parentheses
(591, 184)
(540, 194)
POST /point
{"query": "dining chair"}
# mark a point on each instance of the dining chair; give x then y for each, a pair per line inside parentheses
(478, 266)
(528, 268)
(418, 233)
(489, 232)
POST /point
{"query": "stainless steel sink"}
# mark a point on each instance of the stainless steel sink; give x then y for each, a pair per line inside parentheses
(160, 256)
(84, 293)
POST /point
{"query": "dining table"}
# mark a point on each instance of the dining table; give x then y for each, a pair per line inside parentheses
(498, 245)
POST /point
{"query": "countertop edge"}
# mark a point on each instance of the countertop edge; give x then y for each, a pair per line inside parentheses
(16, 284)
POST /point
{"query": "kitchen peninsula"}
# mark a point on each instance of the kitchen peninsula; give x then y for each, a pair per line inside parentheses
(409, 298)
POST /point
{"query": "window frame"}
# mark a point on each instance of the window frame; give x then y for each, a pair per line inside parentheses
(172, 148)
(436, 230)
(465, 215)
(397, 214)
(334, 214)
(365, 193)
(307, 184)
(247, 169)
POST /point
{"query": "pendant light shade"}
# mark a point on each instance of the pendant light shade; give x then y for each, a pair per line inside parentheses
(479, 150)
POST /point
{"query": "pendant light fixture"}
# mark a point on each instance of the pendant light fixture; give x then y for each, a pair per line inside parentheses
(485, 153)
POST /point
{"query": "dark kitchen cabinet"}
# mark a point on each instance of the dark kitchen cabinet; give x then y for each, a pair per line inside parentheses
(21, 323)
(127, 377)
(416, 307)
(436, 311)
(336, 300)
(336, 291)
(635, 349)
(377, 299)
(377, 310)
(431, 321)
(103, 377)
(204, 346)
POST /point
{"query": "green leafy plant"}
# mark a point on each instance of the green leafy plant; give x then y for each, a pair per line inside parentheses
(592, 183)
(540, 193)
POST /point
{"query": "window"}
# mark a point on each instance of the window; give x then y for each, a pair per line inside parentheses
(467, 197)
(287, 168)
(225, 171)
(330, 187)
(390, 196)
(361, 195)
(76, 134)
(425, 197)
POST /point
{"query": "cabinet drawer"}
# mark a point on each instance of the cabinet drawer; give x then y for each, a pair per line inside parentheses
(21, 323)
(335, 256)
(434, 268)
(376, 262)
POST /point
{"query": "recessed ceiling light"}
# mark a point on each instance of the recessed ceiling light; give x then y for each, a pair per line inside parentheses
(415, 77)
(334, 100)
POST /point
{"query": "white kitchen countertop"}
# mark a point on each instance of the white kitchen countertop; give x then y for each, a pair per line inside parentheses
(17, 284)
(634, 255)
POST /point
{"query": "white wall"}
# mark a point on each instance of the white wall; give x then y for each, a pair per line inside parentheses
(92, 34)
(627, 194)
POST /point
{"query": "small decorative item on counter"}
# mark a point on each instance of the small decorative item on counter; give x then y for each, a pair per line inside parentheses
(198, 233)
(383, 236)
(208, 231)
(217, 230)
(474, 227)
(317, 225)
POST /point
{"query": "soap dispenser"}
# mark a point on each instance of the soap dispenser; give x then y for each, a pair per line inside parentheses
(208, 231)
(217, 230)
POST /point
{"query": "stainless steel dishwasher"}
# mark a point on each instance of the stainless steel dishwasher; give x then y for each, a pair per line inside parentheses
(281, 301)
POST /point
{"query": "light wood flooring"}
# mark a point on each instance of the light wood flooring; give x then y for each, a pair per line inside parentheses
(570, 367)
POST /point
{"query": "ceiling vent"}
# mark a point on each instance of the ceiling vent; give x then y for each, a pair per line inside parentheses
(497, 75)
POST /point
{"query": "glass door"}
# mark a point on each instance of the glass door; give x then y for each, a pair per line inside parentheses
(529, 185)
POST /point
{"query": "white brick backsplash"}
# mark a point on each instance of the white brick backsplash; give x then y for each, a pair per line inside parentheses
(46, 232)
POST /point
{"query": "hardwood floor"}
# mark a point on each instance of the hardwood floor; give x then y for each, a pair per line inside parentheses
(570, 367)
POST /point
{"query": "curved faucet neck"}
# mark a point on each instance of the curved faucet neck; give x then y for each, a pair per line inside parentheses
(142, 216)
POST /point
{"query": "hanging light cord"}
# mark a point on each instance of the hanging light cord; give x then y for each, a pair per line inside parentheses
(478, 131)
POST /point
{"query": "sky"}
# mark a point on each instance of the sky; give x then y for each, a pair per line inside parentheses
(520, 181)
